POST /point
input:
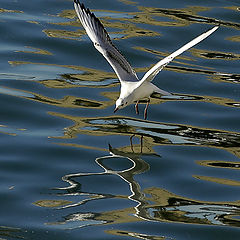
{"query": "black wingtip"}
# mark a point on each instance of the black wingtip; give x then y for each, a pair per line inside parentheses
(92, 15)
(80, 4)
(86, 10)
(77, 2)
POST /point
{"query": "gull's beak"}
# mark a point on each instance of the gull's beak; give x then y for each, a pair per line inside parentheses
(115, 109)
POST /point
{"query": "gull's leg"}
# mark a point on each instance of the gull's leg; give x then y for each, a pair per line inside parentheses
(141, 143)
(146, 108)
(136, 107)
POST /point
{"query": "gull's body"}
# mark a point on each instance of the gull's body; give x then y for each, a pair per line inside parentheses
(132, 89)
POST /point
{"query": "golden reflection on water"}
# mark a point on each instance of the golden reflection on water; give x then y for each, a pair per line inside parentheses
(178, 17)
(234, 38)
(36, 51)
(153, 133)
(128, 29)
(9, 11)
(11, 131)
(3, 131)
(208, 54)
(173, 208)
(220, 164)
(127, 2)
(127, 26)
(136, 235)
(56, 33)
(11, 232)
(182, 17)
(233, 8)
(92, 75)
(51, 203)
(218, 180)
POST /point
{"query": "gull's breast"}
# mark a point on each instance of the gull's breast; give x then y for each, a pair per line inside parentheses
(143, 91)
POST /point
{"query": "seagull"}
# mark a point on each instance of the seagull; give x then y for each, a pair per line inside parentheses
(133, 89)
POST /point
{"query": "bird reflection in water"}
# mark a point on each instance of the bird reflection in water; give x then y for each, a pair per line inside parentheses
(152, 204)
(141, 142)
(136, 195)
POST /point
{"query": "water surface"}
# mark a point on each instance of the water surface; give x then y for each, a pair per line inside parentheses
(71, 169)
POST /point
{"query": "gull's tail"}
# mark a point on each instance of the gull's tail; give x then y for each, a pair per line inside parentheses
(160, 91)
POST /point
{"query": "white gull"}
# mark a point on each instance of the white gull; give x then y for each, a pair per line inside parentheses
(132, 89)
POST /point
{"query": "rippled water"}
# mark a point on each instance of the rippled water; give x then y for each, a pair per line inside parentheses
(71, 169)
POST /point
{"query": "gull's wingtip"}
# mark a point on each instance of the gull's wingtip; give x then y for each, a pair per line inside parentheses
(80, 6)
(216, 27)
(78, 3)
(206, 34)
(213, 29)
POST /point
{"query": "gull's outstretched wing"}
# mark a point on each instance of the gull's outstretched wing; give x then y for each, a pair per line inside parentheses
(103, 44)
(149, 75)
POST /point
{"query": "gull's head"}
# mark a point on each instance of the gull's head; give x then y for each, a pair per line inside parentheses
(121, 103)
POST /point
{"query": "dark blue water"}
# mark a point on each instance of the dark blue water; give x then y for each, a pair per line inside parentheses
(71, 169)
